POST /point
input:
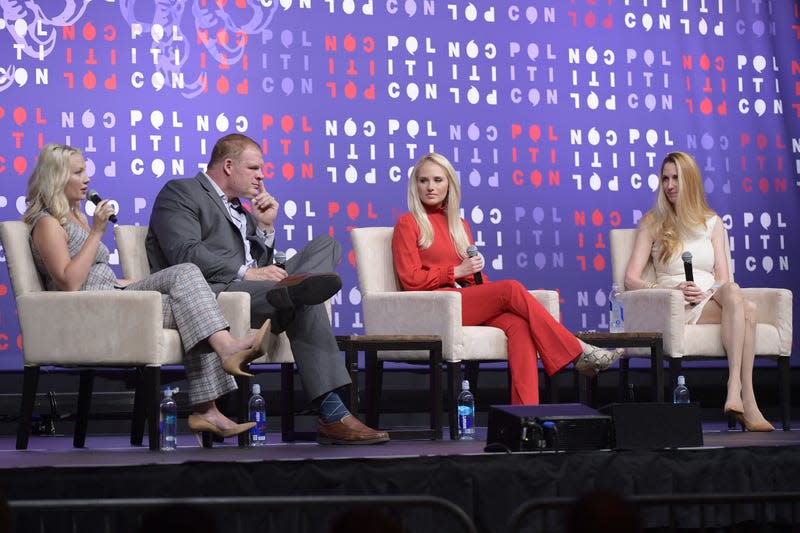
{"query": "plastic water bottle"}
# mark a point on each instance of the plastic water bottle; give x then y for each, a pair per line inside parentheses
(616, 318)
(169, 421)
(257, 409)
(466, 413)
(681, 392)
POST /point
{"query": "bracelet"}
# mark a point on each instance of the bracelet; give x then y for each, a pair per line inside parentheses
(650, 285)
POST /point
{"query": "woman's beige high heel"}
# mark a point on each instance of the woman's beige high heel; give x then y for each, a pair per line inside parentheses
(236, 364)
(754, 426)
(198, 426)
(734, 408)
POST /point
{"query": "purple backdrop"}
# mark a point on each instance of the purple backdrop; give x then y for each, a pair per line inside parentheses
(556, 115)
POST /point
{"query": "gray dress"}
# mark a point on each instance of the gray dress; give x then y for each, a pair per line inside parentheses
(187, 302)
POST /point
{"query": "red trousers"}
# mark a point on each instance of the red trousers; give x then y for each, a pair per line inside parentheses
(530, 328)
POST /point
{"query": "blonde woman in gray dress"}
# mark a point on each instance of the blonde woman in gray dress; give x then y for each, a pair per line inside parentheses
(70, 256)
(680, 221)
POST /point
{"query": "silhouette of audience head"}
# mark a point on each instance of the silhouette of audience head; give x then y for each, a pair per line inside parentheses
(602, 511)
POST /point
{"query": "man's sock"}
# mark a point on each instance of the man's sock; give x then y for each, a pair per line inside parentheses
(331, 408)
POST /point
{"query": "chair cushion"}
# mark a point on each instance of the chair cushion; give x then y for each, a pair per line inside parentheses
(19, 259)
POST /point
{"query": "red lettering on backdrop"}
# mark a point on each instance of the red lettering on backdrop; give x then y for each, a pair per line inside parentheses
(333, 209)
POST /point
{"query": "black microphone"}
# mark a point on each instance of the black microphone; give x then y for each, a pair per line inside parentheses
(280, 260)
(687, 265)
(472, 251)
(95, 198)
(687, 268)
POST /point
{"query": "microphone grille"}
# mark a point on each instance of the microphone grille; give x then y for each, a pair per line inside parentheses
(472, 250)
(93, 196)
(687, 257)
(280, 258)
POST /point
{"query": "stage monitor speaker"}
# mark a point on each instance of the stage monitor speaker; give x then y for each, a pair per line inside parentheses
(655, 425)
(570, 426)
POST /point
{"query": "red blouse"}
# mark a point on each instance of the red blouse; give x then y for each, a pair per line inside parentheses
(432, 268)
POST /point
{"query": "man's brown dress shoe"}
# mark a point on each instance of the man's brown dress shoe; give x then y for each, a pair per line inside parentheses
(348, 430)
(304, 289)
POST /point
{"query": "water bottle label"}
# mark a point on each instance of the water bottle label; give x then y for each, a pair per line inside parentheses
(258, 433)
(465, 418)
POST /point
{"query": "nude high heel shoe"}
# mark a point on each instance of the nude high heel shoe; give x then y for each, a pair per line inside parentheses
(200, 428)
(754, 426)
(733, 408)
(236, 364)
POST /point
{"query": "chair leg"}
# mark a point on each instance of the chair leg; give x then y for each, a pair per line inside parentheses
(287, 402)
(152, 390)
(139, 408)
(242, 399)
(471, 373)
(378, 385)
(785, 388)
(451, 393)
(372, 382)
(436, 392)
(30, 381)
(84, 402)
(623, 382)
(674, 372)
(508, 383)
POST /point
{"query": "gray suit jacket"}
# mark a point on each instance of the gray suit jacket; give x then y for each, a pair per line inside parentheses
(190, 224)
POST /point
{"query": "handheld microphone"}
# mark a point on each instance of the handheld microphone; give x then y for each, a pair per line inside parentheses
(687, 268)
(687, 265)
(472, 251)
(95, 198)
(280, 260)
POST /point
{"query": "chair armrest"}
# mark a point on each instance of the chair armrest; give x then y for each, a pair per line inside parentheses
(656, 310)
(115, 328)
(235, 307)
(416, 313)
(775, 308)
(549, 300)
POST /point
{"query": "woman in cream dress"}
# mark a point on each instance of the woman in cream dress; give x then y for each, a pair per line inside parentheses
(682, 221)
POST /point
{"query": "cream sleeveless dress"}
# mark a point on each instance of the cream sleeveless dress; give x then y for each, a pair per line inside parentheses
(671, 273)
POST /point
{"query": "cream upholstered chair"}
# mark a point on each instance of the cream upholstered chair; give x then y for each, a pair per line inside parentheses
(235, 307)
(388, 310)
(86, 330)
(662, 310)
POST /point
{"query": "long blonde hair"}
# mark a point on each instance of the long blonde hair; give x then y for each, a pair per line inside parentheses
(671, 224)
(451, 204)
(47, 182)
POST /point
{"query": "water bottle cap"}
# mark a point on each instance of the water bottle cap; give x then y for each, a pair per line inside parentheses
(256, 388)
(465, 385)
(681, 380)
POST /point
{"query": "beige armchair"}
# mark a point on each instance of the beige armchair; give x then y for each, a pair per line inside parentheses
(662, 310)
(388, 310)
(86, 330)
(235, 307)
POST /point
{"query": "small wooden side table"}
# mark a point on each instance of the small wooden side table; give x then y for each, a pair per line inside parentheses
(652, 340)
(371, 345)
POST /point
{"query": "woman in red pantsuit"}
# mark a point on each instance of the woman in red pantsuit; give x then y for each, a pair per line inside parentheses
(430, 253)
